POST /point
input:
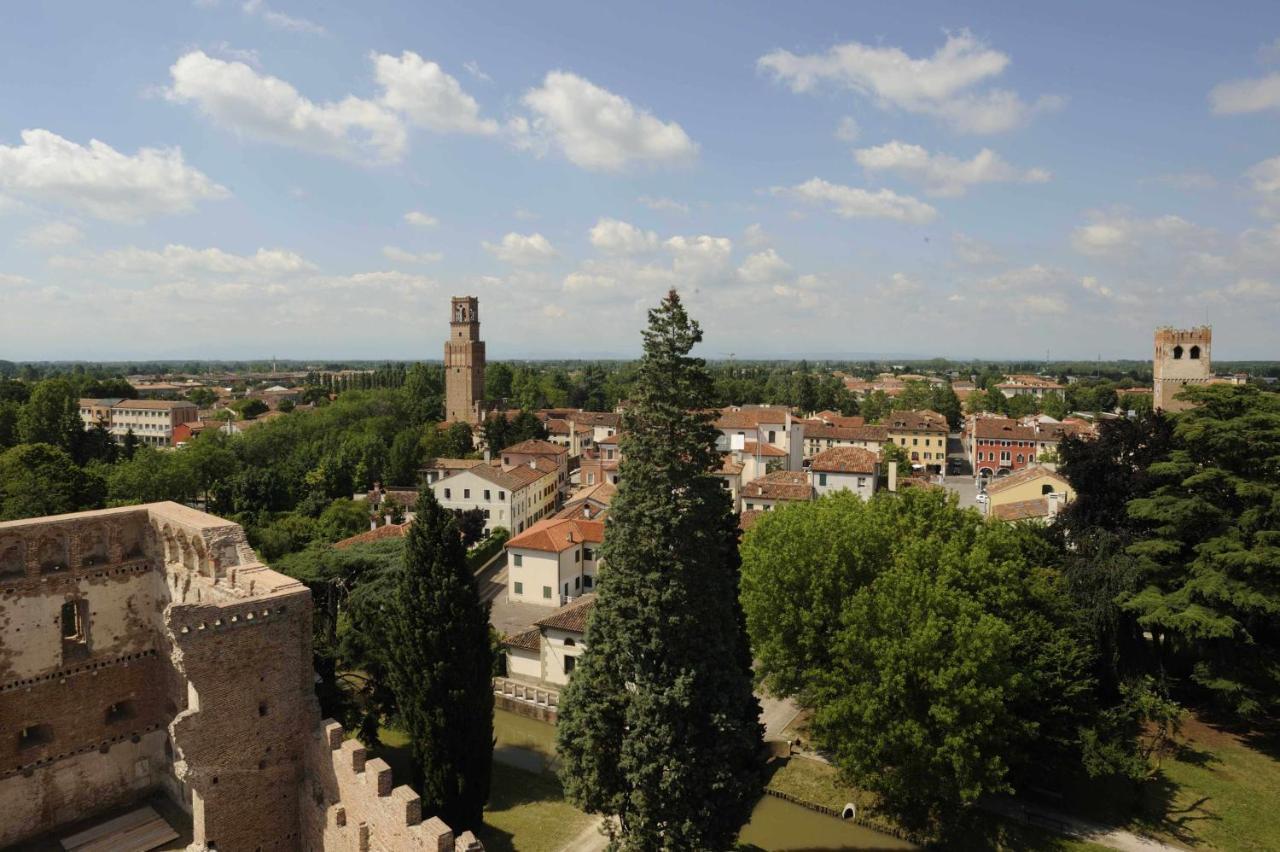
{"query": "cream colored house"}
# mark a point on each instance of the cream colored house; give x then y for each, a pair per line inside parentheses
(768, 428)
(780, 486)
(1032, 492)
(514, 498)
(826, 436)
(554, 561)
(845, 468)
(151, 420)
(549, 651)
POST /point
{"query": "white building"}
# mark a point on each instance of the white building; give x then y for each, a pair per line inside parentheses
(549, 651)
(151, 420)
(554, 561)
(514, 498)
(764, 426)
(841, 468)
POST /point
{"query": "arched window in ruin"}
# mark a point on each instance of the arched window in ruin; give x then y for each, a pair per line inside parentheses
(130, 535)
(52, 553)
(93, 546)
(1194, 354)
(189, 558)
(1177, 353)
(13, 558)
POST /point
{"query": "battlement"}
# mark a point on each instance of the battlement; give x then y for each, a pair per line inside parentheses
(361, 808)
(1169, 335)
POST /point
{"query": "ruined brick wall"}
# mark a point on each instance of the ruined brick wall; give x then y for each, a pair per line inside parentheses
(349, 804)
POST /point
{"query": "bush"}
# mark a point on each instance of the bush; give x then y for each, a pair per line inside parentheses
(479, 555)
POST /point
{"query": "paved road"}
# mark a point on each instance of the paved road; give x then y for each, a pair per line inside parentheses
(963, 485)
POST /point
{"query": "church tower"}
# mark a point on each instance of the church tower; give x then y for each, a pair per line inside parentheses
(1181, 359)
(463, 362)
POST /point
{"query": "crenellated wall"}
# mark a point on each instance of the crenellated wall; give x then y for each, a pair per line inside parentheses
(145, 649)
(349, 804)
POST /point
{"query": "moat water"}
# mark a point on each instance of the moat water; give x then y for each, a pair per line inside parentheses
(775, 824)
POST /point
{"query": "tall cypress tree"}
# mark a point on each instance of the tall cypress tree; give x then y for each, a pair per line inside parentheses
(659, 727)
(440, 667)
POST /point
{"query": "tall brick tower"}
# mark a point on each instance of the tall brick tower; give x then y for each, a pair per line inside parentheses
(463, 362)
(1182, 358)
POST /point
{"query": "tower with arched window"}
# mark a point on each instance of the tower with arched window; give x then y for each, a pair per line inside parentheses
(1182, 357)
(463, 362)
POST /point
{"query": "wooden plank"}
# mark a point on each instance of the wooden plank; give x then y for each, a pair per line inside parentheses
(137, 831)
(124, 822)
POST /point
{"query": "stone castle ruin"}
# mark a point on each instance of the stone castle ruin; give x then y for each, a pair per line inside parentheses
(146, 651)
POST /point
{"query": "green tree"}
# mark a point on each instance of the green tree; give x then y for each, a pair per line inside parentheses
(458, 441)
(404, 459)
(250, 409)
(424, 393)
(916, 396)
(945, 402)
(41, 479)
(51, 415)
(342, 519)
(439, 666)
(497, 381)
(496, 430)
(150, 476)
(202, 397)
(659, 728)
(875, 406)
(9, 413)
(1210, 558)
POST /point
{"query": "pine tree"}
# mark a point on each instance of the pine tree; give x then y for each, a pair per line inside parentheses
(440, 666)
(659, 728)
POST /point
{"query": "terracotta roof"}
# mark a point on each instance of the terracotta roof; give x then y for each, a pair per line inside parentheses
(1027, 474)
(780, 485)
(1003, 429)
(918, 421)
(730, 466)
(384, 531)
(535, 447)
(513, 479)
(529, 640)
(750, 418)
(154, 404)
(747, 519)
(835, 418)
(751, 448)
(1022, 510)
(452, 464)
(1025, 381)
(557, 426)
(836, 432)
(845, 460)
(555, 535)
(572, 616)
(598, 418)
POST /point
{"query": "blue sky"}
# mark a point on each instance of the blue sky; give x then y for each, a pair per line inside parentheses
(240, 179)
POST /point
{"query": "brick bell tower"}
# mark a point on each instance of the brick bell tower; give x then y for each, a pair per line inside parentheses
(463, 362)
(1182, 357)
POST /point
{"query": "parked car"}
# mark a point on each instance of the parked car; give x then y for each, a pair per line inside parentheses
(982, 497)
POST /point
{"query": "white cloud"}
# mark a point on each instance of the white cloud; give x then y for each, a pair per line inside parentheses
(429, 97)
(941, 85)
(473, 68)
(1254, 288)
(847, 130)
(1241, 96)
(617, 237)
(941, 174)
(1264, 179)
(664, 205)
(587, 282)
(422, 220)
(1092, 285)
(602, 131)
(754, 236)
(239, 98)
(10, 280)
(399, 255)
(853, 202)
(974, 251)
(180, 261)
(1114, 235)
(281, 21)
(699, 256)
(553, 311)
(522, 249)
(1043, 304)
(52, 235)
(102, 181)
(764, 267)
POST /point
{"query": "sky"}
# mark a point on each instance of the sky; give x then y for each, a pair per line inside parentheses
(232, 179)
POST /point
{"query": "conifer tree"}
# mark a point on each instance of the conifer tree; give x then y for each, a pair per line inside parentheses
(440, 665)
(659, 727)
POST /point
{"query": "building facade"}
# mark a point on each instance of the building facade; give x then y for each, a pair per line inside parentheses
(513, 499)
(145, 651)
(1182, 357)
(554, 561)
(464, 363)
(152, 421)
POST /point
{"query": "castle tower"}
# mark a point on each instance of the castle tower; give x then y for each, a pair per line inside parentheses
(1182, 358)
(463, 362)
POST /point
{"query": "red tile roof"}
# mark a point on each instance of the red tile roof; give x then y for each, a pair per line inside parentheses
(845, 460)
(384, 531)
(555, 535)
(834, 432)
(769, 451)
(529, 640)
(916, 421)
(572, 616)
(535, 447)
(780, 485)
(1022, 510)
(1025, 475)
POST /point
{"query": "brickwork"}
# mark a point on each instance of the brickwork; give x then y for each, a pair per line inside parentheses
(143, 650)
(463, 362)
(1182, 357)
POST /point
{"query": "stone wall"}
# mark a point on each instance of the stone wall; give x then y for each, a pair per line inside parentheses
(350, 805)
(1173, 368)
(146, 649)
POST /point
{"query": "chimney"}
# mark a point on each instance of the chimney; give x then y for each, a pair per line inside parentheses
(486, 455)
(893, 476)
(533, 464)
(387, 518)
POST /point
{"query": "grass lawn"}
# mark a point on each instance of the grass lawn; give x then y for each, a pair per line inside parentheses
(1218, 790)
(526, 811)
(817, 782)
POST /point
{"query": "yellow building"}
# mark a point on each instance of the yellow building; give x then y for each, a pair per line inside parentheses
(923, 434)
(1033, 492)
